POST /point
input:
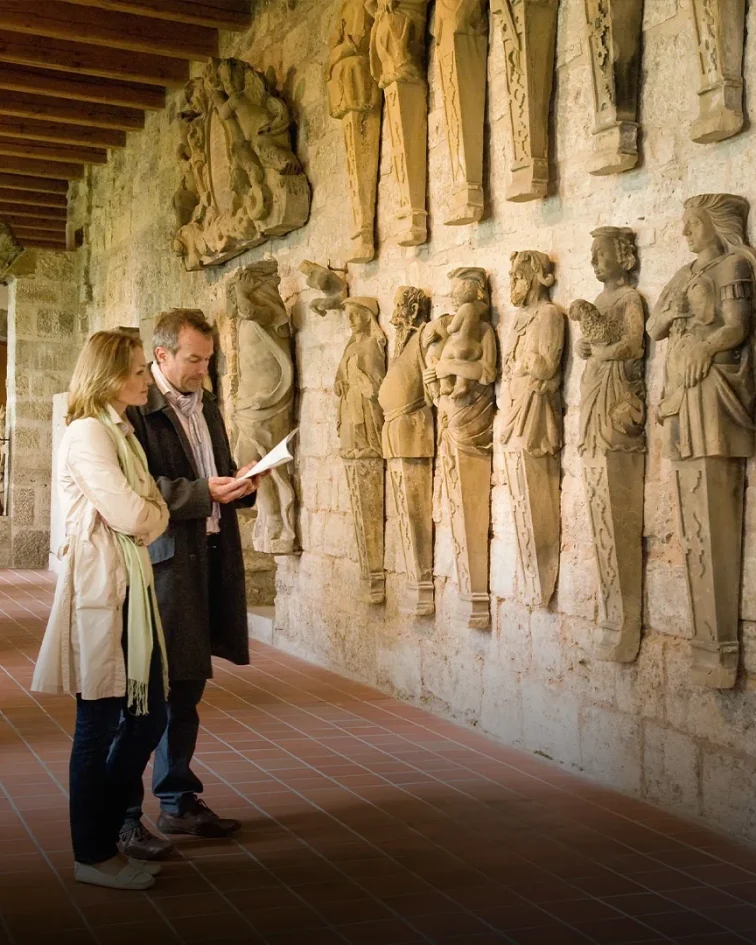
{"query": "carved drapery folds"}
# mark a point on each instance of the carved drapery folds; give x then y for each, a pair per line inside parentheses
(529, 33)
(262, 396)
(10, 250)
(241, 182)
(720, 36)
(355, 98)
(358, 380)
(612, 438)
(460, 378)
(706, 313)
(397, 63)
(462, 46)
(408, 443)
(614, 46)
(532, 422)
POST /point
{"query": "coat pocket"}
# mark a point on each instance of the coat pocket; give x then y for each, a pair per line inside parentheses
(162, 549)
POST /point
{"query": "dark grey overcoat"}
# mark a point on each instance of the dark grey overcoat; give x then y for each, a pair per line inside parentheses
(195, 627)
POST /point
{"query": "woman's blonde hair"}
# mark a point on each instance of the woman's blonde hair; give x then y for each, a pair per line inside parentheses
(102, 368)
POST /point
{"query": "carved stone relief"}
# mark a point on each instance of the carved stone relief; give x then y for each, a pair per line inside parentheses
(462, 45)
(397, 62)
(706, 313)
(612, 438)
(614, 45)
(241, 184)
(409, 444)
(355, 98)
(720, 37)
(532, 421)
(529, 31)
(360, 423)
(460, 373)
(262, 396)
(10, 250)
(331, 282)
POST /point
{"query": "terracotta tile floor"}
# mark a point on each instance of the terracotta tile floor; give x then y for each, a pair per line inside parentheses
(367, 821)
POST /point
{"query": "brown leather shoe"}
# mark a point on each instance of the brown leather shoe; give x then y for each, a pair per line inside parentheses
(197, 820)
(139, 844)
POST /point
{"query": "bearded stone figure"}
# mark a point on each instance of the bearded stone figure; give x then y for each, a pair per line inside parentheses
(532, 421)
(262, 397)
(360, 421)
(409, 444)
(612, 438)
(706, 315)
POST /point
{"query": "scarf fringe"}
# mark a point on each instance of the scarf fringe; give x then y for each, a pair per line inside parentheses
(136, 697)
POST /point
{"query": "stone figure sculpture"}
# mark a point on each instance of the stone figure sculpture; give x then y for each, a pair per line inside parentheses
(262, 396)
(462, 47)
(532, 421)
(614, 45)
(355, 98)
(529, 32)
(460, 373)
(706, 313)
(720, 38)
(241, 184)
(612, 440)
(360, 422)
(330, 282)
(397, 62)
(409, 444)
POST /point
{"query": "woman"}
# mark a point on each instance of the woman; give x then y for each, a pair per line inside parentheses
(104, 640)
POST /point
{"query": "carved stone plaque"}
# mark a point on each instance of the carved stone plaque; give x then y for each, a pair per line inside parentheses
(241, 182)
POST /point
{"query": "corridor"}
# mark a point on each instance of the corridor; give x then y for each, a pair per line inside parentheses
(367, 821)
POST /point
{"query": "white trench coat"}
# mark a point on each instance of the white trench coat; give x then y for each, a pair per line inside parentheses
(81, 650)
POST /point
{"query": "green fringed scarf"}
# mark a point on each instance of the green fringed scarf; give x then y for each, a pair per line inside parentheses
(140, 614)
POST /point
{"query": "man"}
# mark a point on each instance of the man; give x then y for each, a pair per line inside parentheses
(198, 565)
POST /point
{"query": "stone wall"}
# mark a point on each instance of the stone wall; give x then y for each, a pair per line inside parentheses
(531, 680)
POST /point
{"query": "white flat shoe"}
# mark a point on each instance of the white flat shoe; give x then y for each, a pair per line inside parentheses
(127, 878)
(146, 866)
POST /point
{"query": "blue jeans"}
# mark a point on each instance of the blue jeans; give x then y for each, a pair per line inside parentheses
(111, 747)
(172, 778)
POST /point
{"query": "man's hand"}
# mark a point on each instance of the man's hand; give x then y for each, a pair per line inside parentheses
(226, 489)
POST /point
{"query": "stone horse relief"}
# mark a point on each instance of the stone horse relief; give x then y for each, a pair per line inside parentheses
(355, 98)
(462, 44)
(532, 421)
(460, 373)
(614, 46)
(241, 184)
(612, 439)
(706, 312)
(397, 63)
(358, 380)
(262, 396)
(529, 31)
(409, 442)
(720, 37)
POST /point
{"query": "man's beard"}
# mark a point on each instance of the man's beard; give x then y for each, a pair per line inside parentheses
(404, 332)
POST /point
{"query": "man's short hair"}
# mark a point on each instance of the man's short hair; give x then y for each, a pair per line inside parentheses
(169, 325)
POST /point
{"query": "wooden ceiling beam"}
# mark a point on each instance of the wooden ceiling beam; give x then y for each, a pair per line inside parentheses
(37, 213)
(218, 14)
(45, 152)
(81, 88)
(55, 246)
(44, 107)
(29, 167)
(37, 185)
(60, 133)
(28, 224)
(58, 20)
(31, 198)
(84, 59)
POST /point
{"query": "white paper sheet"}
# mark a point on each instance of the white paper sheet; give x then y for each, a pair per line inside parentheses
(278, 456)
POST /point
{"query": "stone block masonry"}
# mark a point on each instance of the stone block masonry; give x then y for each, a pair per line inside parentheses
(532, 679)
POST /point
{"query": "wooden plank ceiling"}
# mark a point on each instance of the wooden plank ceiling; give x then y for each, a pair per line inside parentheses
(76, 76)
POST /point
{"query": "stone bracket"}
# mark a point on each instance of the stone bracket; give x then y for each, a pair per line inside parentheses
(412, 484)
(720, 38)
(365, 479)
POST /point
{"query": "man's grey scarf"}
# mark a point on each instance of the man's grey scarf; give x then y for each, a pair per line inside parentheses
(188, 408)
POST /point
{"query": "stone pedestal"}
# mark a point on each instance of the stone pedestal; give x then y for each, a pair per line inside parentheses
(362, 141)
(365, 478)
(412, 484)
(407, 118)
(720, 35)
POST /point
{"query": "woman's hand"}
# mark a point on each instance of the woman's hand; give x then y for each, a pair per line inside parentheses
(697, 365)
(429, 375)
(583, 348)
